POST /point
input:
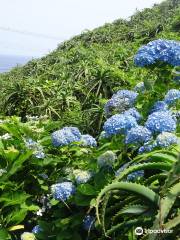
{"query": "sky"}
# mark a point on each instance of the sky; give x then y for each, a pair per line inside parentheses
(36, 27)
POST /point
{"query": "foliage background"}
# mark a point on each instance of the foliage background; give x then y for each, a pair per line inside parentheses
(71, 86)
(72, 83)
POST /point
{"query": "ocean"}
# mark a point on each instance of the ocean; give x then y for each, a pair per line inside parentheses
(7, 62)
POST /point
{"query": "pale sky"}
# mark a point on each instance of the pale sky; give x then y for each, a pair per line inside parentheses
(57, 19)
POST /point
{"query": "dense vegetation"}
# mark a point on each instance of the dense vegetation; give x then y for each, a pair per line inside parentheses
(72, 83)
(56, 181)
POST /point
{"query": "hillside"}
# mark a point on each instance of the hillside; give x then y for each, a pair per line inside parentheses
(99, 166)
(72, 83)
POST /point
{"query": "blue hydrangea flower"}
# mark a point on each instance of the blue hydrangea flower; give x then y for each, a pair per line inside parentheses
(171, 55)
(134, 113)
(88, 141)
(38, 151)
(103, 135)
(138, 134)
(131, 95)
(62, 191)
(116, 104)
(159, 50)
(147, 147)
(37, 229)
(132, 176)
(119, 124)
(39, 154)
(106, 159)
(161, 121)
(159, 106)
(172, 96)
(120, 101)
(31, 144)
(65, 136)
(82, 176)
(142, 58)
(165, 139)
(140, 87)
(88, 222)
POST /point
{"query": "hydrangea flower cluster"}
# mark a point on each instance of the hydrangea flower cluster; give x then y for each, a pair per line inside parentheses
(88, 222)
(69, 135)
(159, 106)
(103, 135)
(138, 135)
(159, 50)
(120, 101)
(63, 191)
(165, 139)
(82, 176)
(28, 236)
(119, 123)
(132, 176)
(88, 140)
(65, 136)
(134, 113)
(37, 229)
(161, 121)
(106, 159)
(172, 96)
(147, 147)
(36, 147)
(131, 95)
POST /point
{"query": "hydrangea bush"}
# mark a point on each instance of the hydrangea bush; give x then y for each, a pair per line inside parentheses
(51, 175)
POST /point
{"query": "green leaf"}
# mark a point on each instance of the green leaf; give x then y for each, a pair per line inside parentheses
(130, 187)
(164, 157)
(16, 216)
(17, 165)
(134, 209)
(82, 200)
(1, 145)
(143, 166)
(13, 198)
(4, 234)
(148, 84)
(172, 222)
(86, 189)
(11, 154)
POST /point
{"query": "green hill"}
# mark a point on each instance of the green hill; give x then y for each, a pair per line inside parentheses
(72, 83)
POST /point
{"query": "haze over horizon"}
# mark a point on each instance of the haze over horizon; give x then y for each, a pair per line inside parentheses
(34, 28)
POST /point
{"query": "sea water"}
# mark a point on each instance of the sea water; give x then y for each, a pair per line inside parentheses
(7, 62)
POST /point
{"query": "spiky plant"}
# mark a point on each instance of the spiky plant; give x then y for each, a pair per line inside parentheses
(150, 203)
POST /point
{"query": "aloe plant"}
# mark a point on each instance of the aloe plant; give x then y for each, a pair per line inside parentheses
(157, 207)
